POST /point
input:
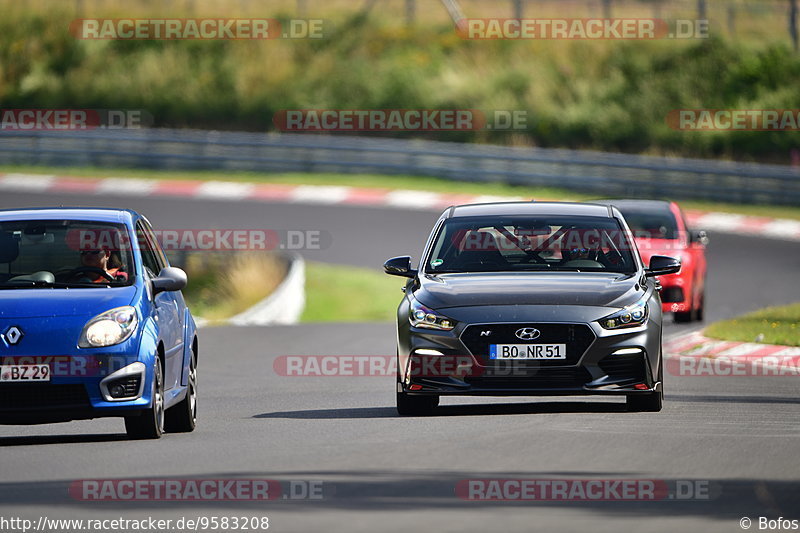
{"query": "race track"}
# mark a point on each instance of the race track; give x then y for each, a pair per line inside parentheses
(737, 436)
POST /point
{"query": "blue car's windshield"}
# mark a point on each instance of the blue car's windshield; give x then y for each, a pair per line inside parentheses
(64, 254)
(523, 243)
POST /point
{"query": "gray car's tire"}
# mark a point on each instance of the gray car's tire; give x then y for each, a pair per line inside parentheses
(150, 423)
(416, 405)
(652, 402)
(182, 418)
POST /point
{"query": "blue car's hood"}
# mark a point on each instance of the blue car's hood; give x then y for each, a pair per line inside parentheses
(42, 303)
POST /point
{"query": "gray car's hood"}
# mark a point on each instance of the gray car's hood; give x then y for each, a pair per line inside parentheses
(529, 288)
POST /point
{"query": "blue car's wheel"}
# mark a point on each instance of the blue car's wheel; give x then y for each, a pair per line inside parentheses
(149, 424)
(183, 417)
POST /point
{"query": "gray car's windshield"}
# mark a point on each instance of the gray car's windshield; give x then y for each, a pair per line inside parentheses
(546, 243)
(64, 253)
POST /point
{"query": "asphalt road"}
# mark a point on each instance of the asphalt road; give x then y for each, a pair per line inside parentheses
(379, 472)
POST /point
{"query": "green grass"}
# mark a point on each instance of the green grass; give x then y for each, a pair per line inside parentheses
(347, 294)
(422, 183)
(773, 325)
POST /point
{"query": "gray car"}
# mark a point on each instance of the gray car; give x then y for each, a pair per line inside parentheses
(529, 299)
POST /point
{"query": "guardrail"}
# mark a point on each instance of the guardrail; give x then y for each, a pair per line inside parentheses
(585, 171)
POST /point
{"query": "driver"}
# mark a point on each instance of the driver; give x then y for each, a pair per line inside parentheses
(580, 244)
(95, 262)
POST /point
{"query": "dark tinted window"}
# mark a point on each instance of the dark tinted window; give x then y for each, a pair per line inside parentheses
(486, 244)
(149, 258)
(65, 251)
(656, 224)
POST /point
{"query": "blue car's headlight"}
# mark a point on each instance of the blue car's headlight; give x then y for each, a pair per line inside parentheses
(109, 328)
(627, 317)
(422, 317)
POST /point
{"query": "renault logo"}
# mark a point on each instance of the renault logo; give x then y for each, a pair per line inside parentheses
(527, 334)
(12, 335)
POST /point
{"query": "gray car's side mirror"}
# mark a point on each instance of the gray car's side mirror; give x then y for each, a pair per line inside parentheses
(399, 266)
(169, 279)
(661, 265)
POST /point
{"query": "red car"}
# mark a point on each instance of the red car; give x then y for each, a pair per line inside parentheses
(660, 228)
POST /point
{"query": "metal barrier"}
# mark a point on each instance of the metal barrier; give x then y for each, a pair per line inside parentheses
(585, 171)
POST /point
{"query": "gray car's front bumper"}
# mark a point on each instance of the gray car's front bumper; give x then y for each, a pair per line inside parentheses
(623, 361)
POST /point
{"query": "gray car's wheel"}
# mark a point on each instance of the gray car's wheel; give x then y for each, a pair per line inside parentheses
(182, 418)
(416, 405)
(150, 423)
(651, 402)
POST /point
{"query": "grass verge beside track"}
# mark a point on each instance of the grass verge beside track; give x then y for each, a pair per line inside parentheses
(223, 285)
(347, 294)
(379, 181)
(772, 325)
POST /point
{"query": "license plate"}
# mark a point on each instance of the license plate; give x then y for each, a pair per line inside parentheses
(527, 351)
(12, 373)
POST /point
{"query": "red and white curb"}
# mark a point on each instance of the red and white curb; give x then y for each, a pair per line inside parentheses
(694, 354)
(774, 228)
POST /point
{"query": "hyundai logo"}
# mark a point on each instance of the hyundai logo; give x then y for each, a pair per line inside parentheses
(12, 335)
(528, 334)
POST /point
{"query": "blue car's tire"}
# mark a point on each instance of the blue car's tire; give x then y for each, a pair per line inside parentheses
(183, 417)
(150, 423)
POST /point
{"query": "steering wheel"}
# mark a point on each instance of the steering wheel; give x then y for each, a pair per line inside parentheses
(80, 270)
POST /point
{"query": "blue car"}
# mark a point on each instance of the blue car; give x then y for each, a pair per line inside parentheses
(93, 323)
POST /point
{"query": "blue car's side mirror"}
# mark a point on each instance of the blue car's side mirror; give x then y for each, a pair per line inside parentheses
(169, 279)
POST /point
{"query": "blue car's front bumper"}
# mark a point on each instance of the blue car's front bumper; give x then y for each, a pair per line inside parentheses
(78, 386)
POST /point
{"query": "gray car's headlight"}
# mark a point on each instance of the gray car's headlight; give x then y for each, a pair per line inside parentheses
(109, 328)
(627, 317)
(422, 317)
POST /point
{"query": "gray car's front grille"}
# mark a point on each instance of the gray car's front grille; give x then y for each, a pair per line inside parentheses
(578, 337)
